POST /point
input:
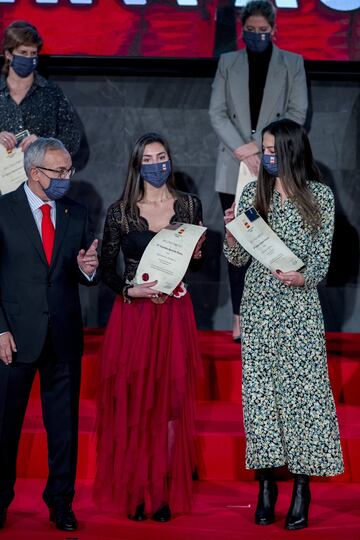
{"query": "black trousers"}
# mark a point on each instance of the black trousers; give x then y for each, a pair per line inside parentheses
(236, 274)
(60, 389)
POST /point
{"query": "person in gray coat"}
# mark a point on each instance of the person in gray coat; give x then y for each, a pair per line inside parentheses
(252, 88)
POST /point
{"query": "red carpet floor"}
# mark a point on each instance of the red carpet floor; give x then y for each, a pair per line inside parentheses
(226, 494)
(222, 511)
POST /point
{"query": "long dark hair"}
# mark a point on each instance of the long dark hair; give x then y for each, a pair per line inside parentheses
(296, 168)
(134, 185)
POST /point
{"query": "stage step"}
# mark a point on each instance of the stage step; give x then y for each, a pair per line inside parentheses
(219, 415)
(220, 435)
(222, 367)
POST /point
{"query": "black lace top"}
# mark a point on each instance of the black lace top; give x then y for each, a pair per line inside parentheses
(132, 235)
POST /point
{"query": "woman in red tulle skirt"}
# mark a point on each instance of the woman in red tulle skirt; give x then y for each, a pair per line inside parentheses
(150, 356)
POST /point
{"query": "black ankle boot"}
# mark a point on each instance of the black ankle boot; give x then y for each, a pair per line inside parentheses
(297, 517)
(139, 513)
(163, 514)
(3, 513)
(268, 492)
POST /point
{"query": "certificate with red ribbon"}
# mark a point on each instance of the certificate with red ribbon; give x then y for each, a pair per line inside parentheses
(167, 256)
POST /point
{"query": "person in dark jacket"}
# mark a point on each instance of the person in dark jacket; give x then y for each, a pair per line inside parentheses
(27, 100)
(44, 255)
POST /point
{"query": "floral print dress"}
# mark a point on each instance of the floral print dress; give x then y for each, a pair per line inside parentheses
(289, 410)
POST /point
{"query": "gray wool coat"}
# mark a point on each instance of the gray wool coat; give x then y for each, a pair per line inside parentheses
(285, 96)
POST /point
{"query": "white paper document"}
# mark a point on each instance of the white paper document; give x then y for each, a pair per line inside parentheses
(255, 235)
(12, 173)
(167, 256)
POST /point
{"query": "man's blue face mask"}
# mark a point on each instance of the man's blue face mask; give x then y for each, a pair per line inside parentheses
(57, 188)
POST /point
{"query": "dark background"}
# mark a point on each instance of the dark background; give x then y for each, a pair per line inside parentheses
(115, 109)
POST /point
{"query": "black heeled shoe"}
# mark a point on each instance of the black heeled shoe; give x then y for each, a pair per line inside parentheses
(163, 514)
(3, 514)
(62, 515)
(297, 517)
(268, 493)
(139, 513)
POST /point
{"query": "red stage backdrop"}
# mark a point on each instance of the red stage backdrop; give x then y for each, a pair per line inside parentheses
(317, 29)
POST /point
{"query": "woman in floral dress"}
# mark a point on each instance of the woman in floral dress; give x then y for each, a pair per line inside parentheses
(289, 411)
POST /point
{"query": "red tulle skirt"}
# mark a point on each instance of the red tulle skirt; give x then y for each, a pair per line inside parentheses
(145, 417)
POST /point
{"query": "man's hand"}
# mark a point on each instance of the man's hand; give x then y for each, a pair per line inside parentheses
(27, 141)
(7, 348)
(88, 260)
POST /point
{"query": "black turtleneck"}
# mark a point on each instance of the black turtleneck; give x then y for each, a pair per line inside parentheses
(258, 68)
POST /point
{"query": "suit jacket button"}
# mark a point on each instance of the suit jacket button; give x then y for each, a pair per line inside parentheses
(234, 115)
(49, 284)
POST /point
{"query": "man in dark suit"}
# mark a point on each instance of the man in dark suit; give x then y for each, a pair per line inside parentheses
(44, 255)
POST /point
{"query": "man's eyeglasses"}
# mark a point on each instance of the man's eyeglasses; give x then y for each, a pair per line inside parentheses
(61, 173)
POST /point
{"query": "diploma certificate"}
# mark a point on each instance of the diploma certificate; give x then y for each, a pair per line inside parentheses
(255, 235)
(12, 172)
(167, 256)
(244, 177)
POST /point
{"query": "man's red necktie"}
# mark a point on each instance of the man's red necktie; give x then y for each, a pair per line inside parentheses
(47, 231)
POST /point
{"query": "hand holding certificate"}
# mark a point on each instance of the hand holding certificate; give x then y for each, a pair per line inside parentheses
(12, 173)
(255, 235)
(167, 256)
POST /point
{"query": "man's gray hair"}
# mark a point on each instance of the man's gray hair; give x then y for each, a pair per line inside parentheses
(35, 152)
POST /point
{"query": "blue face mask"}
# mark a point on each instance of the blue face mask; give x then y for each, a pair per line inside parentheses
(256, 42)
(156, 173)
(24, 65)
(270, 163)
(58, 187)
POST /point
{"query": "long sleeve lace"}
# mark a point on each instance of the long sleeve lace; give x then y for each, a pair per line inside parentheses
(111, 247)
(119, 223)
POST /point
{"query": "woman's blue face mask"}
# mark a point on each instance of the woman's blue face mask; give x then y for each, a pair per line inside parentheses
(270, 163)
(156, 173)
(24, 65)
(257, 42)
